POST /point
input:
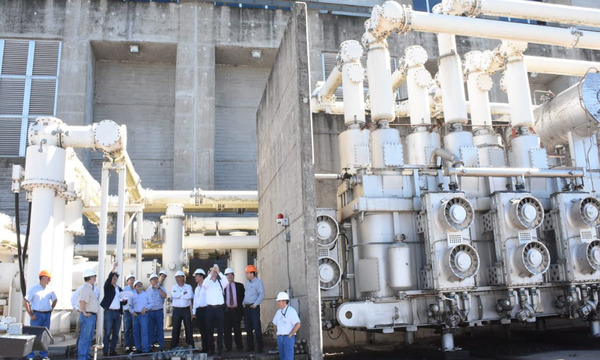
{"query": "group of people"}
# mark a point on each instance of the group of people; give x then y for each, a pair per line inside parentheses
(218, 302)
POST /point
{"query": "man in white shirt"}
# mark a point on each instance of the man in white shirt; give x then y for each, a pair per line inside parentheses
(88, 307)
(199, 307)
(112, 303)
(214, 288)
(181, 297)
(127, 319)
(286, 323)
(39, 303)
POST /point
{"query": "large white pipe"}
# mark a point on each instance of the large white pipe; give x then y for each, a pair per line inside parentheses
(172, 223)
(379, 74)
(392, 16)
(44, 176)
(417, 81)
(198, 200)
(525, 10)
(238, 262)
(451, 80)
(58, 258)
(328, 88)
(91, 250)
(478, 85)
(102, 234)
(195, 223)
(567, 67)
(138, 244)
(204, 242)
(512, 172)
(517, 83)
(353, 75)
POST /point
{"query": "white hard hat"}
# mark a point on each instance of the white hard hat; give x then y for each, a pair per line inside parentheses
(137, 282)
(163, 272)
(153, 276)
(129, 277)
(199, 272)
(88, 273)
(228, 271)
(180, 273)
(283, 296)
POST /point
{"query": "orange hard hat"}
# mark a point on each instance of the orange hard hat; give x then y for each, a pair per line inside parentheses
(45, 273)
(250, 268)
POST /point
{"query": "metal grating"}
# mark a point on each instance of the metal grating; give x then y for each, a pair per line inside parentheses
(525, 237)
(586, 235)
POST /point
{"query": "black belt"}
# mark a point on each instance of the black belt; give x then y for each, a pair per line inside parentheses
(42, 312)
(215, 306)
(250, 305)
(91, 313)
(176, 307)
(112, 310)
(162, 309)
(139, 313)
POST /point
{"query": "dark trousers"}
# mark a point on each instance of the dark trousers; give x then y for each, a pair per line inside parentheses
(252, 321)
(233, 319)
(201, 324)
(214, 318)
(180, 314)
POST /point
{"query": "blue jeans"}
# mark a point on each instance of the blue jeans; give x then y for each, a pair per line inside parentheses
(112, 326)
(42, 320)
(156, 320)
(87, 325)
(140, 332)
(285, 344)
(252, 321)
(128, 329)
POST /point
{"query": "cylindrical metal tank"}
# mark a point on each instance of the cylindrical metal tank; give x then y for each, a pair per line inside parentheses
(376, 234)
(575, 110)
(354, 148)
(417, 145)
(400, 267)
(380, 82)
(454, 140)
(521, 146)
(384, 141)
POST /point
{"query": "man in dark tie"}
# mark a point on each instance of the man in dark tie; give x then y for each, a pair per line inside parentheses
(234, 311)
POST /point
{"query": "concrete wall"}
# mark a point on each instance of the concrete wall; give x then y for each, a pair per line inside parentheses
(286, 183)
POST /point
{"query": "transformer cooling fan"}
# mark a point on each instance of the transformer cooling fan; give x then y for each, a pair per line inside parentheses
(327, 230)
(535, 257)
(592, 255)
(528, 213)
(330, 273)
(463, 261)
(457, 213)
(588, 211)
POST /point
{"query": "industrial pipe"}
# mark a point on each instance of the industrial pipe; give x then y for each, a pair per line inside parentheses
(512, 172)
(445, 155)
(196, 223)
(567, 67)
(204, 242)
(525, 10)
(328, 177)
(200, 200)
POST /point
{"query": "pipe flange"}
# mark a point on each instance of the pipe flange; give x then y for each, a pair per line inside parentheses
(31, 184)
(415, 55)
(503, 84)
(484, 82)
(68, 195)
(354, 72)
(422, 77)
(46, 128)
(107, 135)
(350, 51)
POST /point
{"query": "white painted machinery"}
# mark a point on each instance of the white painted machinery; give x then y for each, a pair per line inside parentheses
(472, 221)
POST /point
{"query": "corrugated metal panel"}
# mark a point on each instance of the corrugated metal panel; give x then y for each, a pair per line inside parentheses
(14, 61)
(41, 101)
(237, 95)
(12, 92)
(45, 58)
(9, 136)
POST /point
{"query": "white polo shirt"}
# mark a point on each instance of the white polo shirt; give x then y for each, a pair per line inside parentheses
(182, 296)
(285, 319)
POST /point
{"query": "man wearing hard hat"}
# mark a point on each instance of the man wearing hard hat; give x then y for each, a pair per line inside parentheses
(39, 303)
(88, 310)
(181, 296)
(286, 323)
(255, 294)
(157, 294)
(199, 307)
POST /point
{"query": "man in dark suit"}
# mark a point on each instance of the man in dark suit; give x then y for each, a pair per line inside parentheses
(113, 309)
(234, 311)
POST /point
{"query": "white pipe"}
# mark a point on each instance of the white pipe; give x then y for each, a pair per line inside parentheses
(195, 223)
(451, 80)
(398, 77)
(121, 218)
(568, 67)
(204, 242)
(529, 10)
(157, 200)
(326, 91)
(517, 83)
(102, 233)
(379, 74)
(510, 172)
(417, 81)
(138, 244)
(91, 250)
(478, 85)
(238, 262)
(172, 223)
(58, 249)
(328, 176)
(353, 75)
